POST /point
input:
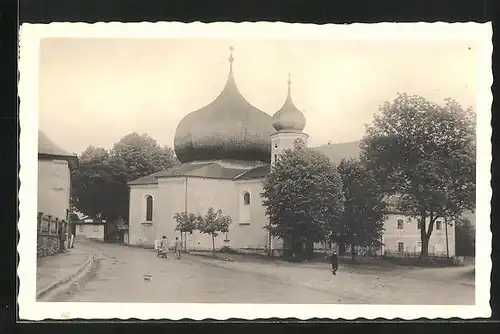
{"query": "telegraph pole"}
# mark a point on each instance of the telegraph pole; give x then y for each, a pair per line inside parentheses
(446, 233)
(185, 212)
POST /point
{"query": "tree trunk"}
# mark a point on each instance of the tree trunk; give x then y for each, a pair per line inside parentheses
(425, 235)
(342, 245)
(213, 245)
(424, 251)
(353, 253)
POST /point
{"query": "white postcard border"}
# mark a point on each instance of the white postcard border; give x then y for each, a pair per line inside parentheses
(30, 37)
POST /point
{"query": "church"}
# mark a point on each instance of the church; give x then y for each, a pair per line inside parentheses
(226, 149)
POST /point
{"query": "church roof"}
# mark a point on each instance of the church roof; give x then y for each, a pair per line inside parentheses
(217, 169)
(227, 128)
(256, 173)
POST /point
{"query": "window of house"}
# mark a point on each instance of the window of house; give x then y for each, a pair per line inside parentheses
(246, 199)
(419, 223)
(275, 145)
(401, 247)
(149, 208)
(439, 225)
(400, 224)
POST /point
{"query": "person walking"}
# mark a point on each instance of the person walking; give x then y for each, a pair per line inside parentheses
(334, 262)
(177, 248)
(164, 246)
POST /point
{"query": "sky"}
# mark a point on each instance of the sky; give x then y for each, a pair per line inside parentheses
(94, 91)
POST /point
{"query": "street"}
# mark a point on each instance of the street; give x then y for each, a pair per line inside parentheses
(118, 276)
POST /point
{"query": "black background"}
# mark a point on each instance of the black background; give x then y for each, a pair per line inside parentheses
(306, 11)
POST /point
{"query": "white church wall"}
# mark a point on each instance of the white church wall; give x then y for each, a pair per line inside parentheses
(204, 193)
(171, 199)
(248, 229)
(141, 232)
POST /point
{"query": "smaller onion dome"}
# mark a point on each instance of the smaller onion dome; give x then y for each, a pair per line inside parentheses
(289, 117)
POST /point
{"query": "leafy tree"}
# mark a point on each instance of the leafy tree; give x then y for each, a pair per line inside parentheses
(424, 154)
(141, 155)
(303, 198)
(100, 183)
(362, 222)
(213, 223)
(186, 223)
(465, 237)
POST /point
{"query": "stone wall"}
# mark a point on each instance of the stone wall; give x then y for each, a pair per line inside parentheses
(47, 245)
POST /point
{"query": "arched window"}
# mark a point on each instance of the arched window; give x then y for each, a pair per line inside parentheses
(246, 199)
(149, 208)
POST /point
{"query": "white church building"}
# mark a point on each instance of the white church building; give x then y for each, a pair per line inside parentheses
(226, 149)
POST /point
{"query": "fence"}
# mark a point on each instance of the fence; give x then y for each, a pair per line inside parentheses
(415, 256)
(51, 235)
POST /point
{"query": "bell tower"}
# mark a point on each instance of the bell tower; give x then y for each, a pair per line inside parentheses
(289, 123)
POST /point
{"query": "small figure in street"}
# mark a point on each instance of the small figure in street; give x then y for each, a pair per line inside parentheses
(164, 247)
(71, 240)
(177, 248)
(334, 261)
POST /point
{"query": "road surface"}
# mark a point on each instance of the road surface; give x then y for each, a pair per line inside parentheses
(119, 277)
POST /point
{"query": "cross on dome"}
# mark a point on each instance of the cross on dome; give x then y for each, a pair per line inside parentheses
(231, 58)
(289, 83)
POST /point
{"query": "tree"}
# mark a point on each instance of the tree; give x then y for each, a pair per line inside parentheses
(186, 223)
(100, 183)
(303, 199)
(362, 222)
(423, 154)
(91, 182)
(141, 155)
(465, 237)
(213, 223)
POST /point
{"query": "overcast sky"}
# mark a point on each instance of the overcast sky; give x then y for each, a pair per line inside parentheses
(94, 91)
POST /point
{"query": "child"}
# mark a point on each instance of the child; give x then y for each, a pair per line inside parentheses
(177, 248)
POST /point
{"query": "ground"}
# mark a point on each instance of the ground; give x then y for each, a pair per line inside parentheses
(118, 276)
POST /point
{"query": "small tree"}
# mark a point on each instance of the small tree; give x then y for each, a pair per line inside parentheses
(425, 155)
(303, 198)
(186, 223)
(213, 223)
(362, 222)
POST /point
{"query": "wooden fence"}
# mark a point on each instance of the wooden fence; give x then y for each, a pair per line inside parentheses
(51, 235)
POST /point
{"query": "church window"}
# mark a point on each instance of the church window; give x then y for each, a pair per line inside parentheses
(149, 208)
(275, 157)
(246, 199)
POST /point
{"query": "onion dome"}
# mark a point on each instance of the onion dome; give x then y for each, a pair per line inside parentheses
(289, 117)
(227, 128)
